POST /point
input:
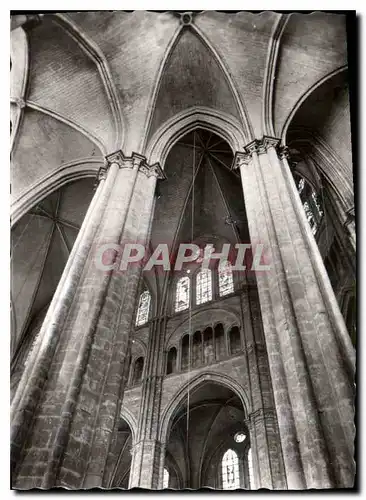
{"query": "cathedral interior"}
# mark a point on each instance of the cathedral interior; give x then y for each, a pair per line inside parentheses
(178, 128)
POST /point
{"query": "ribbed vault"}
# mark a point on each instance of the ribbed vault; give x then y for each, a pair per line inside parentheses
(321, 131)
(45, 144)
(326, 113)
(65, 80)
(159, 68)
(312, 47)
(191, 77)
(41, 244)
(214, 210)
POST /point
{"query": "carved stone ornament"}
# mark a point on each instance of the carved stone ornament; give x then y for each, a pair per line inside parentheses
(258, 146)
(136, 160)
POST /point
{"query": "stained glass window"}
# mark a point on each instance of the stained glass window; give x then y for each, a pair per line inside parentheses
(250, 467)
(230, 470)
(301, 185)
(312, 203)
(166, 478)
(182, 294)
(226, 283)
(203, 286)
(239, 437)
(143, 308)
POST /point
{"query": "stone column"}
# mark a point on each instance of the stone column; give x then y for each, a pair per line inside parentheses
(79, 403)
(310, 354)
(262, 423)
(148, 453)
(39, 360)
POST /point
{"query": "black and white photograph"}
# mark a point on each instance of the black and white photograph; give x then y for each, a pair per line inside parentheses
(183, 306)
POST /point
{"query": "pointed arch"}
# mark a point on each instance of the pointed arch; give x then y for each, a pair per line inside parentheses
(222, 124)
(131, 420)
(65, 173)
(270, 74)
(220, 60)
(242, 113)
(193, 383)
(303, 98)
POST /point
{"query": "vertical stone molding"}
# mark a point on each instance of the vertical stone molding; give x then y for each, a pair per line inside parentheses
(147, 464)
(147, 469)
(262, 422)
(266, 453)
(72, 388)
(310, 354)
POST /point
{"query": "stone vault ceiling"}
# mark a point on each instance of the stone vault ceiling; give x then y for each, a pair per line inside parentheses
(326, 113)
(41, 244)
(191, 77)
(112, 78)
(313, 46)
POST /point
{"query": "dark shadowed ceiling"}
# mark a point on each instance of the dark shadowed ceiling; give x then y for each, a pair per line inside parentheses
(41, 244)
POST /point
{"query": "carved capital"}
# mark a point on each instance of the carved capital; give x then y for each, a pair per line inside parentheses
(241, 159)
(119, 158)
(258, 146)
(154, 170)
(102, 172)
(136, 161)
(270, 142)
(261, 146)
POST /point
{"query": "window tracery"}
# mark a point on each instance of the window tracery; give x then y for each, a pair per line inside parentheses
(143, 308)
(203, 286)
(182, 294)
(226, 282)
(311, 202)
(230, 470)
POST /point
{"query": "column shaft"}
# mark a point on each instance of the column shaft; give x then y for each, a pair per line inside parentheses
(69, 439)
(309, 354)
(39, 360)
(149, 453)
(265, 439)
(257, 221)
